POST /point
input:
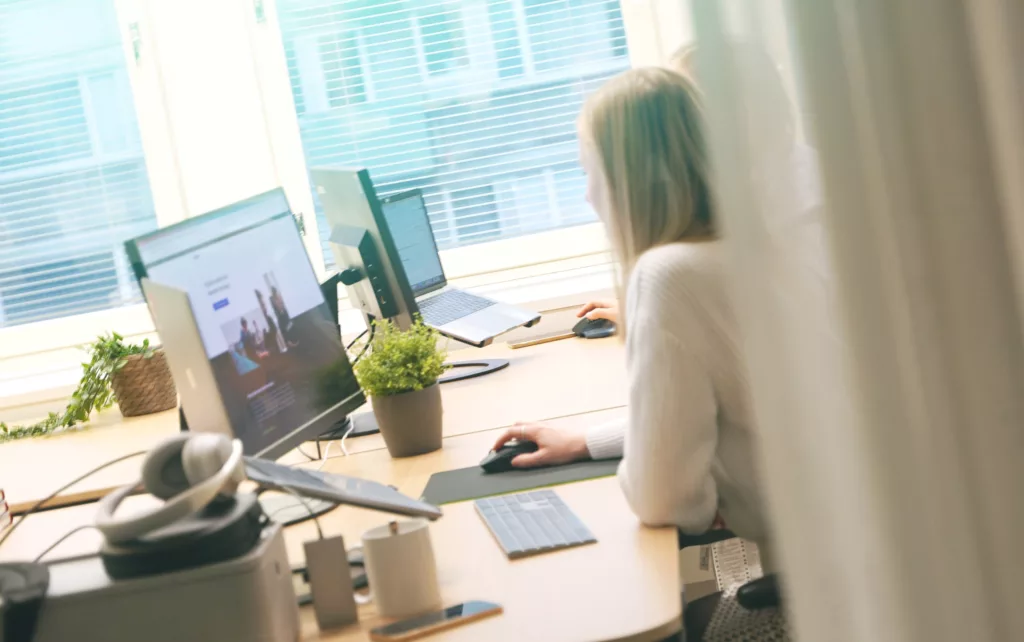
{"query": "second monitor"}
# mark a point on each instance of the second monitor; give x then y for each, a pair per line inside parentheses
(410, 261)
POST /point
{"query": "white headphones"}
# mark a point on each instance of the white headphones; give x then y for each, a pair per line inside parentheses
(188, 471)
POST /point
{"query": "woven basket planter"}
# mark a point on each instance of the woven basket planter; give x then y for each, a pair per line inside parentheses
(144, 386)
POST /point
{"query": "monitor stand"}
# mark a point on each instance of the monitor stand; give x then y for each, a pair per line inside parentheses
(287, 510)
(365, 424)
(482, 367)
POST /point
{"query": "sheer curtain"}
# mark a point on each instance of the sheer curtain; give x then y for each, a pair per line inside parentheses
(878, 275)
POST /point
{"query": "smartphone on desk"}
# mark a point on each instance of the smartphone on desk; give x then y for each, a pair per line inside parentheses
(430, 623)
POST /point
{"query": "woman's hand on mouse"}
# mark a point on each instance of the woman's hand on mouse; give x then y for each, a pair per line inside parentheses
(553, 446)
(600, 310)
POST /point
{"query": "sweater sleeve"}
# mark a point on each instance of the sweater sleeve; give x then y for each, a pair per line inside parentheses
(604, 441)
(672, 430)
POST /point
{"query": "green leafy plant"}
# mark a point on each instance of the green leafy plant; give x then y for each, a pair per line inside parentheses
(108, 354)
(400, 361)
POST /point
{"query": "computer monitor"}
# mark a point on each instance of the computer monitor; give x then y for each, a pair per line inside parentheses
(415, 245)
(250, 339)
(352, 209)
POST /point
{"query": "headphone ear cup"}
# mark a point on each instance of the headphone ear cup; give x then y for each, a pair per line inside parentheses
(163, 472)
(204, 455)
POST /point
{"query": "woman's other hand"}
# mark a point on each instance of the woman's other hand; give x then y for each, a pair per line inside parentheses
(600, 310)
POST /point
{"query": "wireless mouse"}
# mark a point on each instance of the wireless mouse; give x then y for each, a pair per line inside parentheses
(500, 460)
(594, 328)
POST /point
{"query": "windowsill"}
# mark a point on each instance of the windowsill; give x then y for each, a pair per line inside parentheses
(42, 384)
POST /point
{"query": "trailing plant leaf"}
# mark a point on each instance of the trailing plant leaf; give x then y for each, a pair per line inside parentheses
(400, 361)
(108, 354)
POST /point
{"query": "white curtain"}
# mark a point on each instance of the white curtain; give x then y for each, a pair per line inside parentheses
(880, 281)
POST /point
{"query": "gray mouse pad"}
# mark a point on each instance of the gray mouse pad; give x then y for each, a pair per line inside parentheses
(473, 483)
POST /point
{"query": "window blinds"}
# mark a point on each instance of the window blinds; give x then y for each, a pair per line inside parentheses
(73, 183)
(473, 101)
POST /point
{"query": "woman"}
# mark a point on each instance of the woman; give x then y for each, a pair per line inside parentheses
(689, 442)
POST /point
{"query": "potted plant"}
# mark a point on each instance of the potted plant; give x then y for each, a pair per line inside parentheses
(400, 374)
(135, 376)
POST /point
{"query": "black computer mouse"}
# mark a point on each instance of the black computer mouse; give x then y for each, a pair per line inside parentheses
(594, 328)
(500, 460)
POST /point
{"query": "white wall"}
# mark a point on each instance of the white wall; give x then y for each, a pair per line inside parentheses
(655, 29)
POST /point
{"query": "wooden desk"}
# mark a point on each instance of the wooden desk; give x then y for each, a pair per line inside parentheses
(625, 587)
(541, 383)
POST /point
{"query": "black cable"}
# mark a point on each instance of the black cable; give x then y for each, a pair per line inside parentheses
(356, 340)
(369, 340)
(63, 488)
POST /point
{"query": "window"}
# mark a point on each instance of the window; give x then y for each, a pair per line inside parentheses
(567, 33)
(479, 214)
(327, 72)
(342, 69)
(73, 183)
(474, 102)
(444, 43)
(526, 201)
(616, 29)
(505, 33)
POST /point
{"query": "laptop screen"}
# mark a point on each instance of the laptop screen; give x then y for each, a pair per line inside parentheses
(406, 216)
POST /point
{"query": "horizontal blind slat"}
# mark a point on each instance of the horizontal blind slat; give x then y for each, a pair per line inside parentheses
(83, 282)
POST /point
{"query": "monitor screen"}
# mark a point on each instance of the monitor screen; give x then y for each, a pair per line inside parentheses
(407, 220)
(269, 336)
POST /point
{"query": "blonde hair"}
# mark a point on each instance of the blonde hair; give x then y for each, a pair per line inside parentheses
(646, 129)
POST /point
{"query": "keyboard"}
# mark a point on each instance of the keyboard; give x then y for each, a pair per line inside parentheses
(451, 305)
(534, 522)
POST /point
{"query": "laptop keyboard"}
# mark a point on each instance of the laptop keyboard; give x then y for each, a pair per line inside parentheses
(534, 522)
(451, 305)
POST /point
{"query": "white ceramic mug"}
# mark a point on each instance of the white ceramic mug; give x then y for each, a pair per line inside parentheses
(401, 569)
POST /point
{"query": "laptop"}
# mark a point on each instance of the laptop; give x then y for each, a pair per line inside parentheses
(472, 319)
(337, 488)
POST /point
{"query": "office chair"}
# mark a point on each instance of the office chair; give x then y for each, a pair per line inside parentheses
(751, 613)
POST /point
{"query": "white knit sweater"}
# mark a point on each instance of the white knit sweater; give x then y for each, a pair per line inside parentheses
(689, 442)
